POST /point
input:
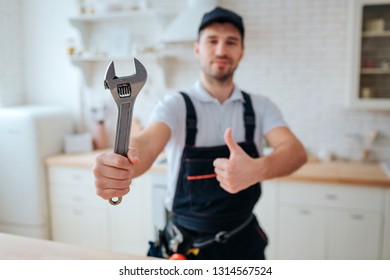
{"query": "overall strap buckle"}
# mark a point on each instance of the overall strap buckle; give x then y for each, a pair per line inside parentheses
(221, 237)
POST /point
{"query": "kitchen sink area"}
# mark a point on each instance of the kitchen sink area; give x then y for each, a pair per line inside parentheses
(386, 167)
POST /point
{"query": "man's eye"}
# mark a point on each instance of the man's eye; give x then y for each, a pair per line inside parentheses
(231, 43)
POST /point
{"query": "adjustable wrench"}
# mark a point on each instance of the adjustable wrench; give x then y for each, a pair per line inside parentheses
(124, 90)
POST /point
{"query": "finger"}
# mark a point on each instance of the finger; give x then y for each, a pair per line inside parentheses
(232, 145)
(133, 155)
(110, 183)
(113, 172)
(108, 187)
(114, 160)
(113, 166)
(220, 163)
(110, 193)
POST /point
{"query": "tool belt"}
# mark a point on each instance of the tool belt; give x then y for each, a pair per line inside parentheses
(222, 236)
(177, 240)
(172, 240)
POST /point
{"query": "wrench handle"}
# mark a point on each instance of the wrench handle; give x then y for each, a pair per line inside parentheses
(123, 128)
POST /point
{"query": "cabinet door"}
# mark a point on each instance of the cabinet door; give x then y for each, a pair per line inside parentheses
(354, 236)
(265, 211)
(85, 226)
(301, 233)
(78, 215)
(131, 222)
(386, 240)
(370, 60)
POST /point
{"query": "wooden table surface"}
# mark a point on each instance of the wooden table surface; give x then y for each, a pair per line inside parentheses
(14, 247)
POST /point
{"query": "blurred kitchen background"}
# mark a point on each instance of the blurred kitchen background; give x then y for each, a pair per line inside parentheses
(325, 63)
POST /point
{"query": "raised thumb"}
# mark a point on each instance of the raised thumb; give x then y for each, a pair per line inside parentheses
(232, 145)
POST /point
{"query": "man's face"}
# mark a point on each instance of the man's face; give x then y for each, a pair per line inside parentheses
(219, 50)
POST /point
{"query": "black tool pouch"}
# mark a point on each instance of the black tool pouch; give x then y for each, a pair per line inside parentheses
(175, 239)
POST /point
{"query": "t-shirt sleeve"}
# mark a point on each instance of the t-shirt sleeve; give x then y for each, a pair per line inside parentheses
(270, 115)
(168, 111)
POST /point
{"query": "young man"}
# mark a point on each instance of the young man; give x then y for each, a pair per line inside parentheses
(212, 135)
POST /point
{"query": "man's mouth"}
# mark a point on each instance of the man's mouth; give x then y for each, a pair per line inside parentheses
(222, 62)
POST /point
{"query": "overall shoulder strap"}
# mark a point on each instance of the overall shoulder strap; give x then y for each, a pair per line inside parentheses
(191, 121)
(249, 118)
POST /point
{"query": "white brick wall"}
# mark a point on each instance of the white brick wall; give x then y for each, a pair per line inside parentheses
(296, 53)
(11, 80)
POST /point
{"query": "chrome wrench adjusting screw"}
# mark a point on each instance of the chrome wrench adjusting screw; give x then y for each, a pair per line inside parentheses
(124, 90)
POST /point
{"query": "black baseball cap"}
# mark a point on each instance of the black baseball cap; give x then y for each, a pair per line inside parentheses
(222, 15)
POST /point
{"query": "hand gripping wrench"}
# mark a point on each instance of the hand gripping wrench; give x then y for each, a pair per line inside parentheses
(124, 91)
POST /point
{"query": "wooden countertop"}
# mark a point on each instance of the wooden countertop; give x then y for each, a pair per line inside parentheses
(14, 247)
(342, 173)
(328, 172)
(79, 160)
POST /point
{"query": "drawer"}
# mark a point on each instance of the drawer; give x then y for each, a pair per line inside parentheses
(357, 197)
(75, 195)
(63, 176)
(86, 226)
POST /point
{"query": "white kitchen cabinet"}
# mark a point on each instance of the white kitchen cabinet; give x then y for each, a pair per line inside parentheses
(369, 56)
(80, 217)
(354, 235)
(329, 221)
(160, 214)
(386, 236)
(77, 216)
(130, 224)
(301, 233)
(265, 210)
(80, 226)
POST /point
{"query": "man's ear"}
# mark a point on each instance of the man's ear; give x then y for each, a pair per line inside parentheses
(242, 53)
(196, 49)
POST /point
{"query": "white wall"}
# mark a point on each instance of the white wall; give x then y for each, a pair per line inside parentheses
(296, 53)
(11, 58)
(50, 77)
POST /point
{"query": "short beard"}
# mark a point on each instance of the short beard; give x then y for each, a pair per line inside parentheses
(221, 78)
(224, 78)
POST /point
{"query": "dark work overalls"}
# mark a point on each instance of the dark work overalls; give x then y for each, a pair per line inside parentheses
(222, 224)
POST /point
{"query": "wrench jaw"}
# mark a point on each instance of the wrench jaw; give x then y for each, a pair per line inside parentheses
(136, 81)
(110, 76)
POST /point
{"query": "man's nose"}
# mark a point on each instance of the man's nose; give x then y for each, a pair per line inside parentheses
(220, 49)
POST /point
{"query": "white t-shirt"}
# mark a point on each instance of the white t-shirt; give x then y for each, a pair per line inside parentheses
(213, 118)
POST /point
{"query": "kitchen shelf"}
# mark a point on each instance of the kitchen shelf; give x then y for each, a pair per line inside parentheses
(118, 36)
(370, 34)
(112, 16)
(369, 86)
(114, 36)
(374, 71)
(100, 58)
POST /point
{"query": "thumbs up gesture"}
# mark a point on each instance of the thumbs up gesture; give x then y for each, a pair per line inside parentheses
(237, 172)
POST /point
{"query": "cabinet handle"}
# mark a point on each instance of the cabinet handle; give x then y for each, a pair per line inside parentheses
(77, 198)
(331, 197)
(78, 212)
(357, 217)
(305, 212)
(77, 176)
